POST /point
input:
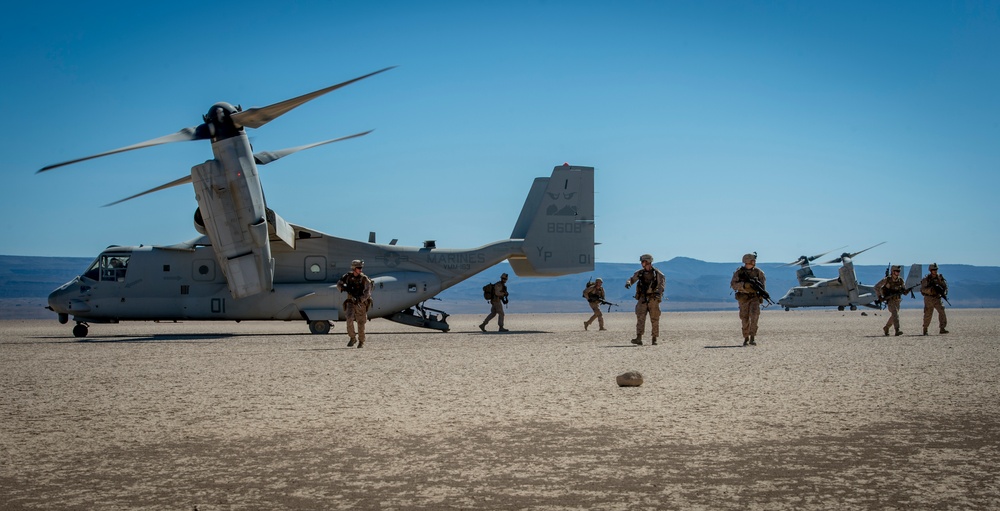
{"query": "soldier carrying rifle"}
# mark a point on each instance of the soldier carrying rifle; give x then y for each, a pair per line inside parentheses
(890, 290)
(594, 293)
(934, 288)
(748, 282)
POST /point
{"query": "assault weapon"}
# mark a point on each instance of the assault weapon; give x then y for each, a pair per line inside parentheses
(609, 304)
(756, 284)
(888, 295)
(940, 291)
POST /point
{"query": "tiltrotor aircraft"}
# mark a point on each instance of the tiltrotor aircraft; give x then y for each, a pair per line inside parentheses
(841, 292)
(251, 264)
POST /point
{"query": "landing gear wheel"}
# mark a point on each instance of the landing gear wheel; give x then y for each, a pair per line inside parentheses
(320, 327)
(840, 307)
(80, 330)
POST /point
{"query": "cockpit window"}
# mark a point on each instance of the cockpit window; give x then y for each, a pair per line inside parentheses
(108, 268)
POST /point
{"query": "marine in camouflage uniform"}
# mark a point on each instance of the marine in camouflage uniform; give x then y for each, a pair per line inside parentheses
(648, 295)
(890, 290)
(496, 304)
(358, 287)
(748, 297)
(934, 288)
(594, 293)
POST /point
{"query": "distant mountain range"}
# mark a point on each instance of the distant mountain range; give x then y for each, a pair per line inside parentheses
(25, 283)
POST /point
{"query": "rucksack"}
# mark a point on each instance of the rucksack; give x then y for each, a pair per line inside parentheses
(488, 292)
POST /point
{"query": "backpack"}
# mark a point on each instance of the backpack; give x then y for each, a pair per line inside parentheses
(488, 292)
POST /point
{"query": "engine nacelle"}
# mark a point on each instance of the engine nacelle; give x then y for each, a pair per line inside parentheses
(199, 222)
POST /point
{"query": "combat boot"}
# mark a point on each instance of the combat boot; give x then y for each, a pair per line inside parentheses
(482, 327)
(502, 329)
(351, 342)
(746, 340)
(925, 331)
(898, 333)
(637, 341)
(361, 343)
(654, 341)
(752, 342)
(943, 331)
(886, 330)
(586, 325)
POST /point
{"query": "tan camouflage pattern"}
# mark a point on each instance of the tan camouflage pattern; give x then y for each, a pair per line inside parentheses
(356, 307)
(748, 299)
(594, 295)
(932, 300)
(648, 300)
(496, 304)
(894, 285)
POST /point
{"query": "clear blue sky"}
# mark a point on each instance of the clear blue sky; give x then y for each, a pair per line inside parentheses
(716, 128)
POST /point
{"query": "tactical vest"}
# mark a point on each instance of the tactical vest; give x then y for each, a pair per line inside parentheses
(647, 284)
(355, 285)
(895, 284)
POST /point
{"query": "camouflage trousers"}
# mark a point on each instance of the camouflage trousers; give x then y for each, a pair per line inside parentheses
(356, 312)
(651, 307)
(931, 304)
(749, 313)
(892, 305)
(496, 311)
(596, 307)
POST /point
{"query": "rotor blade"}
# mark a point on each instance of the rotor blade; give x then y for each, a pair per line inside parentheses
(817, 256)
(256, 117)
(869, 248)
(800, 260)
(806, 259)
(184, 180)
(841, 258)
(265, 157)
(183, 135)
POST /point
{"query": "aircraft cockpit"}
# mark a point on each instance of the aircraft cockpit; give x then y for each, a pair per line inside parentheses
(109, 267)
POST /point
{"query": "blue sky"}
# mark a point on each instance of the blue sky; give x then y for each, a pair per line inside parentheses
(715, 128)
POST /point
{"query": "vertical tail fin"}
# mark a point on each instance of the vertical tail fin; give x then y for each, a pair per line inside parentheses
(913, 277)
(557, 224)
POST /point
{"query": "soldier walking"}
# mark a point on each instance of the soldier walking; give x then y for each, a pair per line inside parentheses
(648, 295)
(934, 288)
(497, 301)
(358, 287)
(748, 281)
(890, 290)
(594, 293)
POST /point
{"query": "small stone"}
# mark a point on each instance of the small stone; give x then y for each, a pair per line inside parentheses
(629, 379)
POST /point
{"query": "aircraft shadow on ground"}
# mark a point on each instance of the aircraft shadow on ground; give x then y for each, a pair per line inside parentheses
(156, 338)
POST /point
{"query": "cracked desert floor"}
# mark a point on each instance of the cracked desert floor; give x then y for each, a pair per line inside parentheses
(825, 413)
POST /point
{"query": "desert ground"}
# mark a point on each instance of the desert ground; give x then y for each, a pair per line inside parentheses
(825, 413)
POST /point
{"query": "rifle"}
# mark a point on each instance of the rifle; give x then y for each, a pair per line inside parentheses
(889, 295)
(609, 304)
(940, 291)
(756, 284)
